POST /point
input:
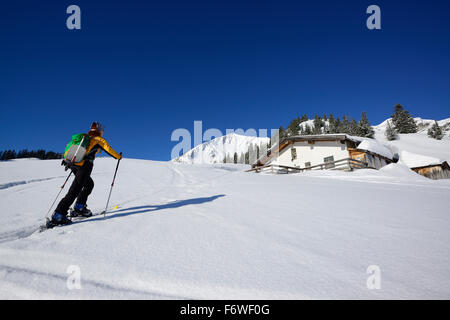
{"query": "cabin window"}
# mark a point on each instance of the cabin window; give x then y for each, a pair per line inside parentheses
(329, 162)
(307, 165)
(293, 154)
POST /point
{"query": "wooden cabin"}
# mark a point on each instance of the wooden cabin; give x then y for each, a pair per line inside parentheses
(434, 171)
(326, 151)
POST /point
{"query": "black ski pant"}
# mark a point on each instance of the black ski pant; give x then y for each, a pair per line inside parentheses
(80, 189)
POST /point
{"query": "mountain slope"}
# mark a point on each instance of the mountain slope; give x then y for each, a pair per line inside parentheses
(216, 150)
(418, 143)
(215, 232)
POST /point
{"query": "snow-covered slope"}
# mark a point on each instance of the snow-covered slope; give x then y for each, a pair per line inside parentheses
(422, 124)
(413, 148)
(216, 150)
(215, 232)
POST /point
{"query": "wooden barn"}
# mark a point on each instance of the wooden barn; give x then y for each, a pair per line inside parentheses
(426, 166)
(434, 171)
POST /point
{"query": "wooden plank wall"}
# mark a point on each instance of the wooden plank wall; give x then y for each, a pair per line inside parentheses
(434, 172)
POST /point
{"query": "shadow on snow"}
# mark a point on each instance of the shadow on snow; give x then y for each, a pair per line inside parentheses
(150, 208)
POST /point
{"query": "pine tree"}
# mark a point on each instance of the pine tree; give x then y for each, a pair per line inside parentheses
(364, 127)
(338, 126)
(435, 131)
(390, 133)
(318, 124)
(294, 127)
(304, 118)
(242, 158)
(282, 133)
(402, 120)
(353, 128)
(307, 130)
(331, 124)
(235, 158)
(345, 126)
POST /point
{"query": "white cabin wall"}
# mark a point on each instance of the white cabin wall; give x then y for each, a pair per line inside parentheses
(314, 153)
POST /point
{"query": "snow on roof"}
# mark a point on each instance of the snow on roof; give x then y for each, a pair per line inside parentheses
(414, 160)
(325, 136)
(374, 146)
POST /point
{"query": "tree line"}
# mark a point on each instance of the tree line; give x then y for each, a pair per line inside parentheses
(328, 124)
(401, 122)
(22, 154)
(253, 153)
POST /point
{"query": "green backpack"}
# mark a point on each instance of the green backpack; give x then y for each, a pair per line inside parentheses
(76, 148)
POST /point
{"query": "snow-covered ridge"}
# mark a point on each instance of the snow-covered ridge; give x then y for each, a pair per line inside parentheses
(422, 124)
(217, 149)
(417, 149)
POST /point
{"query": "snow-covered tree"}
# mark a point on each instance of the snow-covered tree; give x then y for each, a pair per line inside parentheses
(318, 124)
(306, 130)
(242, 158)
(435, 131)
(402, 120)
(350, 127)
(390, 133)
(251, 154)
(364, 128)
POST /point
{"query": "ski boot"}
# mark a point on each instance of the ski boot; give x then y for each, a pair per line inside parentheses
(80, 210)
(57, 219)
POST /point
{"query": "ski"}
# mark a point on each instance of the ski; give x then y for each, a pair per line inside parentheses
(75, 219)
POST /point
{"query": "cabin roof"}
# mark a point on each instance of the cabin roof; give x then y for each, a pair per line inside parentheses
(415, 160)
(444, 164)
(323, 137)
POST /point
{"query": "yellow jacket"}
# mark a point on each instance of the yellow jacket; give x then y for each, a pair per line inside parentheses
(96, 145)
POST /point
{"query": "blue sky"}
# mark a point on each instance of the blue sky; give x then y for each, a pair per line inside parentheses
(145, 68)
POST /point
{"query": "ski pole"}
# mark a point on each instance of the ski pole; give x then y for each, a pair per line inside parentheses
(112, 185)
(60, 190)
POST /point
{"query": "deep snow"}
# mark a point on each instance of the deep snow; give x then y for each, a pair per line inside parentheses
(215, 232)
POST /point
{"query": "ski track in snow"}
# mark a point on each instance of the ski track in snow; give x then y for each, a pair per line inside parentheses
(17, 183)
(45, 278)
(18, 233)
